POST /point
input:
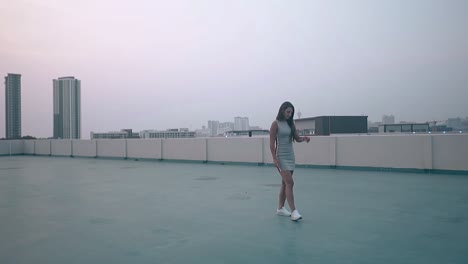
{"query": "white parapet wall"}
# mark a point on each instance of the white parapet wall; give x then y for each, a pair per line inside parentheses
(450, 152)
(386, 151)
(11, 147)
(320, 150)
(144, 148)
(29, 147)
(84, 148)
(235, 150)
(61, 147)
(111, 148)
(42, 147)
(184, 149)
(4, 147)
(16, 147)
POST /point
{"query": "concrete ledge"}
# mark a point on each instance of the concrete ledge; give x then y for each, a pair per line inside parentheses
(184, 149)
(29, 147)
(111, 148)
(84, 148)
(235, 150)
(437, 153)
(42, 147)
(144, 148)
(11, 147)
(450, 152)
(61, 147)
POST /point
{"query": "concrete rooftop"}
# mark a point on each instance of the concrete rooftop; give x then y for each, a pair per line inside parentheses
(78, 210)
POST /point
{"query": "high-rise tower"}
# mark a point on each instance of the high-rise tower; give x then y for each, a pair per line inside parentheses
(67, 108)
(13, 106)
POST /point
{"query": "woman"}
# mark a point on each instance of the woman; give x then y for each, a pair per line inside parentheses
(282, 134)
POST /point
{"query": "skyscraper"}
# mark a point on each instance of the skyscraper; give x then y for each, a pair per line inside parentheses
(13, 106)
(213, 127)
(67, 108)
(241, 123)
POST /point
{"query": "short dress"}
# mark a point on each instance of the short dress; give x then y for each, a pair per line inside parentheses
(285, 151)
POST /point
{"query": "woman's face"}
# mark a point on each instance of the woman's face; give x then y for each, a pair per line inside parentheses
(287, 113)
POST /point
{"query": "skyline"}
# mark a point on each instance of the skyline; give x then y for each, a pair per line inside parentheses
(158, 65)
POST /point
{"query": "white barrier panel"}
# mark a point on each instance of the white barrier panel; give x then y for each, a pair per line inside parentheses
(235, 149)
(144, 148)
(84, 148)
(16, 147)
(42, 147)
(61, 147)
(267, 158)
(184, 149)
(319, 151)
(395, 151)
(111, 148)
(4, 147)
(28, 147)
(450, 152)
(439, 152)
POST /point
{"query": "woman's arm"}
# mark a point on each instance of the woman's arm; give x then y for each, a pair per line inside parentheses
(300, 139)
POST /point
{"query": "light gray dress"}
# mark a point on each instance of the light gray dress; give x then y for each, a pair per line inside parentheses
(285, 151)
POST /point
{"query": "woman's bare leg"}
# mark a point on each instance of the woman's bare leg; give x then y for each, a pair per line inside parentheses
(282, 195)
(289, 184)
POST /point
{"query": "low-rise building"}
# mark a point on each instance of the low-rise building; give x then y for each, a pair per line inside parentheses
(404, 128)
(326, 125)
(170, 133)
(123, 133)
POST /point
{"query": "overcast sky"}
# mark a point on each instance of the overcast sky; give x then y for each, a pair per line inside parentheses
(150, 64)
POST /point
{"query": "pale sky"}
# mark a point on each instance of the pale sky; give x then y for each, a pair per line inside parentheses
(151, 64)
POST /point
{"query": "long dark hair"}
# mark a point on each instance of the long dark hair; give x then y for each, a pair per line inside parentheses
(290, 121)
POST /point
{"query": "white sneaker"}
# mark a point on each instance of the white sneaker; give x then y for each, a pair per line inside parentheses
(283, 211)
(295, 215)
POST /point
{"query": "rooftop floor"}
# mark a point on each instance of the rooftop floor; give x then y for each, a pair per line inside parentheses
(77, 210)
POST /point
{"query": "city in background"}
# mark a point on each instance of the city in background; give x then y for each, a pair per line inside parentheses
(67, 120)
(165, 65)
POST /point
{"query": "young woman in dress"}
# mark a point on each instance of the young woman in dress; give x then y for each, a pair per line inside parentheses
(282, 134)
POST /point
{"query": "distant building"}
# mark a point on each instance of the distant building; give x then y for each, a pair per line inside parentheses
(204, 132)
(255, 128)
(388, 119)
(373, 127)
(246, 133)
(124, 133)
(213, 127)
(326, 125)
(404, 128)
(67, 108)
(225, 127)
(170, 133)
(241, 123)
(13, 106)
(458, 124)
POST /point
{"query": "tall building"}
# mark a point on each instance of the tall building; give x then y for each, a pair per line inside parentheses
(67, 108)
(13, 106)
(213, 127)
(388, 119)
(225, 127)
(241, 123)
